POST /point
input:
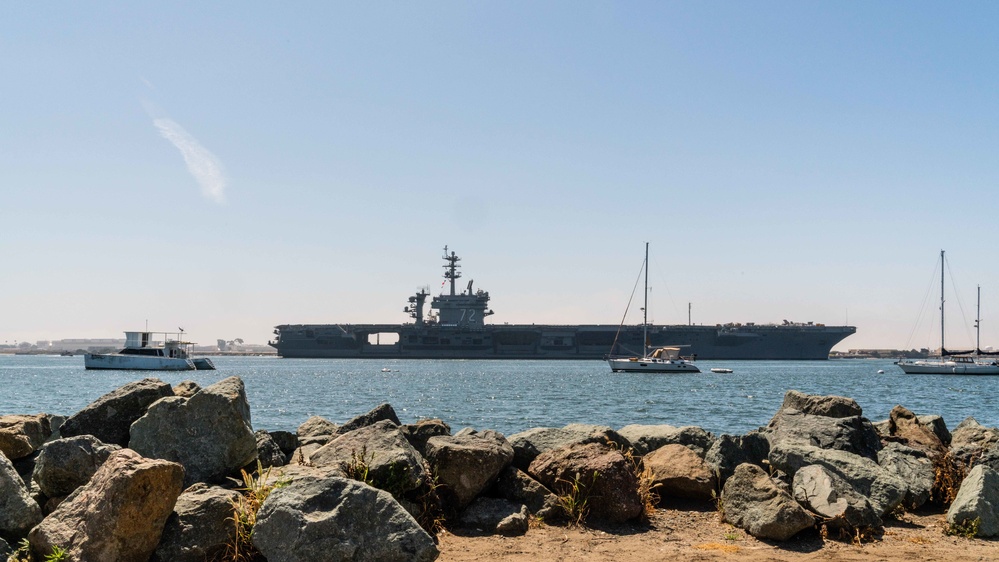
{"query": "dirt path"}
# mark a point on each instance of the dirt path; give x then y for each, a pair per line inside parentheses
(684, 534)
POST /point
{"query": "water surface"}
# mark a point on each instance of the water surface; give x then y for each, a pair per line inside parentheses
(511, 396)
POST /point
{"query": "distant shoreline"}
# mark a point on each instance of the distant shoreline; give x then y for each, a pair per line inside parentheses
(852, 354)
(198, 353)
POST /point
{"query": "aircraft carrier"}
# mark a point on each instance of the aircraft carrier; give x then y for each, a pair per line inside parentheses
(455, 328)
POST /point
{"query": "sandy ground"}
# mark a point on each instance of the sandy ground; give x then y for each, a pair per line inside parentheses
(697, 534)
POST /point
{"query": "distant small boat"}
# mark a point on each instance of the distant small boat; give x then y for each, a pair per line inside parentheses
(386, 370)
(721, 370)
(142, 353)
(881, 371)
(66, 354)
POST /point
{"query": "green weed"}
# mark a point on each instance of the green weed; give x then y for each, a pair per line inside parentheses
(967, 528)
(57, 555)
(573, 497)
(23, 553)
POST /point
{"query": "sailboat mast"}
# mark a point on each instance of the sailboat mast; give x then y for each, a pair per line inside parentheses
(941, 303)
(978, 322)
(645, 308)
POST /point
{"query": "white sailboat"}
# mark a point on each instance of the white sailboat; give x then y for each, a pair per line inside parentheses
(659, 360)
(949, 362)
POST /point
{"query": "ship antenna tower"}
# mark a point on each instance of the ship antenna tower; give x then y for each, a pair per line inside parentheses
(451, 272)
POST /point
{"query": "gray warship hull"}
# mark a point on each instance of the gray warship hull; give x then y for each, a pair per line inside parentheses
(534, 341)
(456, 329)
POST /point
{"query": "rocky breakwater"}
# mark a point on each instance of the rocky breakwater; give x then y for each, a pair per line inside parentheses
(153, 472)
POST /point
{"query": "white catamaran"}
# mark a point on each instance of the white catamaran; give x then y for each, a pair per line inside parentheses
(953, 362)
(143, 352)
(660, 360)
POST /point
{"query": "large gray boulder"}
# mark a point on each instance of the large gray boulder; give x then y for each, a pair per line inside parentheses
(383, 412)
(312, 434)
(647, 438)
(316, 430)
(467, 463)
(598, 474)
(209, 433)
(989, 458)
(118, 515)
(679, 472)
(832, 497)
(18, 512)
(752, 501)
(884, 490)
(200, 526)
(978, 498)
(853, 434)
(970, 432)
(816, 405)
(22, 435)
(377, 454)
(420, 432)
(268, 451)
(517, 486)
(527, 445)
(333, 519)
(186, 389)
(914, 468)
(281, 475)
(494, 515)
(938, 426)
(66, 464)
(286, 441)
(970, 438)
(729, 451)
(109, 417)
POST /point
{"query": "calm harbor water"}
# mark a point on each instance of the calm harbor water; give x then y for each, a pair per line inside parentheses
(511, 396)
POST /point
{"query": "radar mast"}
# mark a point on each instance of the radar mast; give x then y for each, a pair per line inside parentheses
(451, 272)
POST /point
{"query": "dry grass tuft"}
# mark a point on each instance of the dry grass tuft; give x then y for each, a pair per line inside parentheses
(949, 473)
(254, 491)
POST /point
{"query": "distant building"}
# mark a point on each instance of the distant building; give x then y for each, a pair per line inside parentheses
(74, 344)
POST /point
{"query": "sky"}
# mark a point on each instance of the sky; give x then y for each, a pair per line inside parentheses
(228, 167)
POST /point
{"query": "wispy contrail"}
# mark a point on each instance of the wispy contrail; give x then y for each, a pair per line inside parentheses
(202, 164)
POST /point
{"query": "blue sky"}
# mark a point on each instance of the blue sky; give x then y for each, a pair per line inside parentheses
(228, 167)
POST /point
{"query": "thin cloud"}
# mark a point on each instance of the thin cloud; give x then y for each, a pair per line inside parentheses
(202, 164)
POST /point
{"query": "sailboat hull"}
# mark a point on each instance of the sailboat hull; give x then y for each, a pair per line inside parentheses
(651, 365)
(929, 367)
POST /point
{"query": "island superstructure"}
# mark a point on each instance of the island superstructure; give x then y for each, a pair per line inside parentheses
(455, 328)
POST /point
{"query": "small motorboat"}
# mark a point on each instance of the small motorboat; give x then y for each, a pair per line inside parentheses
(721, 370)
